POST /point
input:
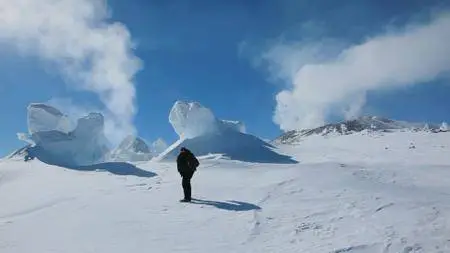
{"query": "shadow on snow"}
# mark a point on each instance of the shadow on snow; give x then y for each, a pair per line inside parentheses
(233, 145)
(230, 205)
(117, 168)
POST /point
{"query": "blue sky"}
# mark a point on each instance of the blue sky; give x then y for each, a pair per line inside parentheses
(206, 51)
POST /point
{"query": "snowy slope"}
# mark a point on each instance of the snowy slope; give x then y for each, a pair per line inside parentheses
(364, 123)
(231, 144)
(19, 154)
(354, 193)
(204, 134)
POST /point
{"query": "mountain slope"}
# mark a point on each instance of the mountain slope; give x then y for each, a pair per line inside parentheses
(132, 148)
(365, 123)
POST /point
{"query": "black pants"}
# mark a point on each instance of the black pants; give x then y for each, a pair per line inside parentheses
(186, 183)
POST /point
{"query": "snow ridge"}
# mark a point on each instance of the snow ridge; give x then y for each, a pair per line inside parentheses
(364, 123)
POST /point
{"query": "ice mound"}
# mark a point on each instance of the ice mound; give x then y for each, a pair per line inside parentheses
(230, 144)
(204, 134)
(55, 141)
(191, 119)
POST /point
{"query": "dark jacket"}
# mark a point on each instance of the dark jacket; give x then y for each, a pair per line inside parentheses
(187, 162)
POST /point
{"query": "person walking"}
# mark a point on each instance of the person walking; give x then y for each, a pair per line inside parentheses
(187, 164)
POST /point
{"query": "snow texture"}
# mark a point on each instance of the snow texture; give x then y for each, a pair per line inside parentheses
(53, 143)
(364, 192)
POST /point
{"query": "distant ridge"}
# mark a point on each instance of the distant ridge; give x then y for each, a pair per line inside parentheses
(364, 123)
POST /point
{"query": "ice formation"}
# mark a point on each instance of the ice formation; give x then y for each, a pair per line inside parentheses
(42, 117)
(233, 145)
(55, 141)
(191, 119)
(204, 134)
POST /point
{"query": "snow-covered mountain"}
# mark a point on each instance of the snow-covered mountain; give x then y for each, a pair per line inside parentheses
(159, 146)
(19, 154)
(204, 134)
(132, 148)
(365, 123)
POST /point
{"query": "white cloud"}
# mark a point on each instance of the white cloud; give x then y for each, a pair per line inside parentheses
(320, 85)
(76, 36)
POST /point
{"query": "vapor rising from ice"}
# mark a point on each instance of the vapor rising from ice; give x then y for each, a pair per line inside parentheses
(320, 85)
(93, 53)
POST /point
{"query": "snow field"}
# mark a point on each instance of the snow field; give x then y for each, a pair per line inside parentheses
(347, 194)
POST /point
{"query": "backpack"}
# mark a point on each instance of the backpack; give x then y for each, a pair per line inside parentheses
(194, 161)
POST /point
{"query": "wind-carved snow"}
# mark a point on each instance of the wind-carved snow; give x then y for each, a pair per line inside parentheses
(204, 134)
(42, 118)
(55, 140)
(191, 119)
